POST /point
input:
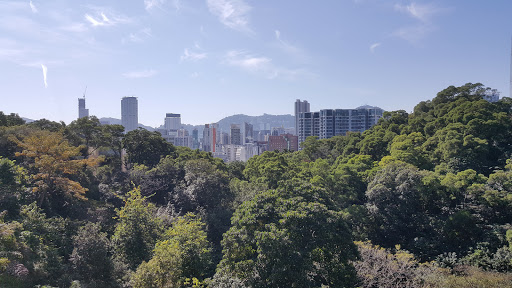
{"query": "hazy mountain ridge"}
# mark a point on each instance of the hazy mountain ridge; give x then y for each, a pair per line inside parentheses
(262, 122)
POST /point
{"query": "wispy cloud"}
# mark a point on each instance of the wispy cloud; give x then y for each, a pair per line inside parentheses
(140, 74)
(192, 56)
(374, 46)
(289, 48)
(232, 13)
(33, 7)
(45, 70)
(150, 4)
(100, 18)
(139, 36)
(422, 12)
(261, 65)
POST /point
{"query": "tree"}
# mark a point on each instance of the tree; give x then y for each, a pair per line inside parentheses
(54, 162)
(11, 119)
(183, 253)
(205, 191)
(396, 202)
(289, 237)
(137, 230)
(147, 148)
(91, 257)
(268, 168)
(85, 131)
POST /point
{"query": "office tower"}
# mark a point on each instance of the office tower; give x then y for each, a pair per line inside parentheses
(333, 122)
(172, 121)
(309, 125)
(129, 113)
(300, 107)
(82, 111)
(236, 136)
(283, 142)
(210, 137)
(248, 133)
(195, 138)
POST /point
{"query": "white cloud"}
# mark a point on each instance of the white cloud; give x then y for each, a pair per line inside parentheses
(100, 18)
(422, 12)
(139, 36)
(278, 34)
(232, 13)
(261, 65)
(192, 56)
(45, 70)
(290, 49)
(150, 4)
(374, 46)
(33, 7)
(140, 74)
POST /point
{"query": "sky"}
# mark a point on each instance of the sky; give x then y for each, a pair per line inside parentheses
(208, 59)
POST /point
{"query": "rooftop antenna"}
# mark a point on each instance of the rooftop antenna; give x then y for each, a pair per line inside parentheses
(85, 91)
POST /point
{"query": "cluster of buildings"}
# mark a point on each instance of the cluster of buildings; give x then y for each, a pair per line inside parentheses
(242, 142)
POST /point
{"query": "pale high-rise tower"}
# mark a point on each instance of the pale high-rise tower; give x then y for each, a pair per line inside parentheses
(129, 113)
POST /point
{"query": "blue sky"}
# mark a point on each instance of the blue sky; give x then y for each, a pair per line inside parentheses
(208, 59)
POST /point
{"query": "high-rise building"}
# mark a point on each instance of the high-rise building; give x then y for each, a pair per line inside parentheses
(300, 107)
(210, 137)
(333, 122)
(283, 142)
(309, 125)
(172, 121)
(129, 113)
(82, 111)
(195, 139)
(248, 133)
(235, 134)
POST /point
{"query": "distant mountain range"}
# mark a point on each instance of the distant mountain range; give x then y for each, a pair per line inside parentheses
(262, 122)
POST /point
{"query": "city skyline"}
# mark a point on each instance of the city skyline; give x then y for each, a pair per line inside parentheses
(210, 59)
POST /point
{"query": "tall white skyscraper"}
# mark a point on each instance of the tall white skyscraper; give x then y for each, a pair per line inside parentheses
(129, 113)
(172, 121)
(82, 111)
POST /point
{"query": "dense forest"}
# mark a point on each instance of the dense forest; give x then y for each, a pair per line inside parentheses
(419, 200)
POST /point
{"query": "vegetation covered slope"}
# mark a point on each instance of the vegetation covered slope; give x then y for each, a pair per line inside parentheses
(419, 200)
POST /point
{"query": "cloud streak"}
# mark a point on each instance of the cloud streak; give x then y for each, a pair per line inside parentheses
(231, 13)
(192, 56)
(100, 18)
(374, 46)
(261, 65)
(45, 70)
(33, 7)
(423, 13)
(140, 74)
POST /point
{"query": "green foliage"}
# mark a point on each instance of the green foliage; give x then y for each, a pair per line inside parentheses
(147, 148)
(289, 237)
(181, 258)
(91, 256)
(137, 230)
(268, 168)
(10, 120)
